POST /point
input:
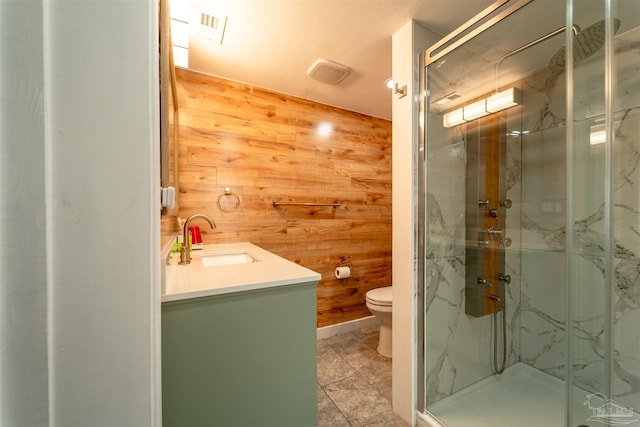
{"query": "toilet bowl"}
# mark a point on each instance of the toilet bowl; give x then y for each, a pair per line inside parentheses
(379, 303)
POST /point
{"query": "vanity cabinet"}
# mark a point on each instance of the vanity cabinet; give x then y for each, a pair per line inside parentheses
(245, 359)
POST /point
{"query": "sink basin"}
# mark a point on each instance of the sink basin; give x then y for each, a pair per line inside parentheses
(214, 259)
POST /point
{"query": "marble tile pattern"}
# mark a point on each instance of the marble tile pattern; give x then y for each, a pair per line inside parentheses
(543, 297)
(354, 382)
(458, 346)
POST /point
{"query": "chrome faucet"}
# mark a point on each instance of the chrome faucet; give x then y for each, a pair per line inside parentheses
(185, 252)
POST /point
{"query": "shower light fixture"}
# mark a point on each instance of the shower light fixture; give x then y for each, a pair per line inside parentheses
(453, 118)
(475, 110)
(598, 131)
(597, 135)
(497, 102)
(503, 100)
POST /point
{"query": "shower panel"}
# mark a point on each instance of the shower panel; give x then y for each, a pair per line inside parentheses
(485, 218)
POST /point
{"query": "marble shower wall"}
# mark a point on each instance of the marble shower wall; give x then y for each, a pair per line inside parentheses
(591, 319)
(543, 251)
(543, 295)
(626, 226)
(543, 333)
(459, 347)
(589, 304)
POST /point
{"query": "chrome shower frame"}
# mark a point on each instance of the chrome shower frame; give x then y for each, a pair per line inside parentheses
(484, 20)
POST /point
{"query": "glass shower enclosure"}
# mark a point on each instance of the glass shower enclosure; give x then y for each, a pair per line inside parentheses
(530, 227)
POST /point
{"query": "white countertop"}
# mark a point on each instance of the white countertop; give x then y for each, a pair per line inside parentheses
(195, 280)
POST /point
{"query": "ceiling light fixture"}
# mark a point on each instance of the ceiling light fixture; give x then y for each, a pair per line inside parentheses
(179, 9)
(180, 42)
(180, 33)
(181, 56)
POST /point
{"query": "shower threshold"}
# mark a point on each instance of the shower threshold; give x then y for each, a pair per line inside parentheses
(522, 396)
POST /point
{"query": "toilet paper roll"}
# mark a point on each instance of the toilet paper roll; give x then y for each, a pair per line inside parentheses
(343, 272)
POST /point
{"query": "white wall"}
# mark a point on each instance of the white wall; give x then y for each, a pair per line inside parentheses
(100, 66)
(408, 43)
(79, 216)
(23, 280)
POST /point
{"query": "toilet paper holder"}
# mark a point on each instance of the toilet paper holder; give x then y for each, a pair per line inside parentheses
(343, 269)
(344, 261)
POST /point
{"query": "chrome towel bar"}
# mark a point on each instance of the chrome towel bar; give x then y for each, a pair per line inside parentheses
(276, 204)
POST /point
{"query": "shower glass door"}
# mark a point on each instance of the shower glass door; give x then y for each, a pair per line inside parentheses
(604, 178)
(533, 210)
(495, 218)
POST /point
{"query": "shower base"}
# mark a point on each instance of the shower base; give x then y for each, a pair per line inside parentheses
(522, 396)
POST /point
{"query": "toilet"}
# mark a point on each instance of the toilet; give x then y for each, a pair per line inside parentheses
(379, 304)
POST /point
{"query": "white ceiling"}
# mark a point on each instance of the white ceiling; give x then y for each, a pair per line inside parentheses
(272, 43)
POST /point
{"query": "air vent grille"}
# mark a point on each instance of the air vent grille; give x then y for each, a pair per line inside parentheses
(447, 98)
(327, 71)
(209, 21)
(212, 27)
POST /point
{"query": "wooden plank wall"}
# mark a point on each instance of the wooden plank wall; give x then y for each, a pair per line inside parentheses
(269, 146)
(168, 219)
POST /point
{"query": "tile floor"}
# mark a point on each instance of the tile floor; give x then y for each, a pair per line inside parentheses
(354, 382)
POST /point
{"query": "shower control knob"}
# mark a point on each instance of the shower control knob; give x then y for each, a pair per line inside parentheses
(506, 242)
(484, 243)
(506, 203)
(494, 231)
(484, 282)
(486, 203)
(493, 213)
(506, 278)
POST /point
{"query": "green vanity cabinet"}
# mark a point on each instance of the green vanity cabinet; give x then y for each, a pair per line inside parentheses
(245, 359)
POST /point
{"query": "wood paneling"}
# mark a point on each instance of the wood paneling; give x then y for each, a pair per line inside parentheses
(268, 146)
(492, 192)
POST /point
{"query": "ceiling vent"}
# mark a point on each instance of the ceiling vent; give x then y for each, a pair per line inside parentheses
(212, 27)
(447, 98)
(327, 71)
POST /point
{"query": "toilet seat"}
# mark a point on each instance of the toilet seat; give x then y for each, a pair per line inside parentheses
(380, 296)
(379, 302)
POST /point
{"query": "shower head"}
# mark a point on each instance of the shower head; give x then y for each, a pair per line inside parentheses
(585, 43)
